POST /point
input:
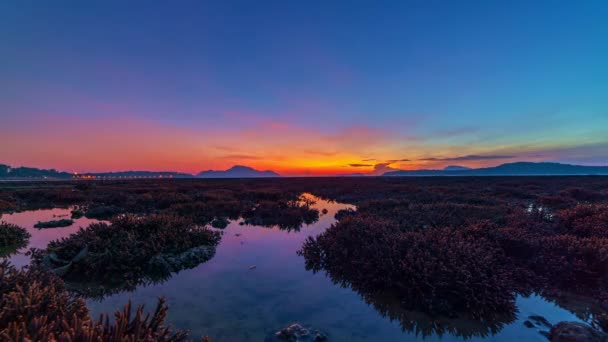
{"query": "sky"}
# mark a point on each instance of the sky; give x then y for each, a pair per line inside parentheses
(302, 87)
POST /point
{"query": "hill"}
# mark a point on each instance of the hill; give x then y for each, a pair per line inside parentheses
(511, 169)
(237, 171)
(30, 172)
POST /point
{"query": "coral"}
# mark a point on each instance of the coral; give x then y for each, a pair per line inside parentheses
(12, 237)
(35, 307)
(118, 254)
(54, 223)
(441, 271)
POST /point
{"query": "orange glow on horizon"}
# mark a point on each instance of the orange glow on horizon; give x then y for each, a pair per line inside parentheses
(124, 144)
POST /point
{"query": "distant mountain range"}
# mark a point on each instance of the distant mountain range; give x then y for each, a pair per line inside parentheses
(31, 172)
(455, 168)
(237, 171)
(510, 169)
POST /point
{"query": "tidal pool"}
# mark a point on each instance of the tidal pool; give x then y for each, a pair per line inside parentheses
(256, 284)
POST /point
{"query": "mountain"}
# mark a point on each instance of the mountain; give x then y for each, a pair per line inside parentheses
(512, 169)
(455, 168)
(31, 172)
(237, 171)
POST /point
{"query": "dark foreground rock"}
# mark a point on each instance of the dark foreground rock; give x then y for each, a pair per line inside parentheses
(296, 332)
(220, 223)
(575, 332)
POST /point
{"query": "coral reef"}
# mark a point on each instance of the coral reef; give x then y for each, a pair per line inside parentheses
(12, 237)
(121, 255)
(54, 223)
(52, 314)
(446, 249)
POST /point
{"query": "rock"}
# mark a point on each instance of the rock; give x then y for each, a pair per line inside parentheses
(77, 213)
(575, 332)
(81, 255)
(63, 270)
(293, 333)
(529, 324)
(220, 223)
(56, 259)
(54, 223)
(540, 320)
(167, 263)
(319, 337)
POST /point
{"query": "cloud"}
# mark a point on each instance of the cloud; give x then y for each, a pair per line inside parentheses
(360, 165)
(320, 153)
(456, 132)
(381, 168)
(468, 158)
(241, 156)
(391, 161)
(588, 154)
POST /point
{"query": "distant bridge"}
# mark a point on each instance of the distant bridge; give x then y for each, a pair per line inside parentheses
(104, 177)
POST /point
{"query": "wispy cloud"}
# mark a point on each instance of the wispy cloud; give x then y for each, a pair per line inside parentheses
(242, 157)
(360, 165)
(468, 158)
(320, 153)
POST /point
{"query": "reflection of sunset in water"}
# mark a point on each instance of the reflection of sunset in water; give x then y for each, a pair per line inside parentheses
(41, 237)
(230, 300)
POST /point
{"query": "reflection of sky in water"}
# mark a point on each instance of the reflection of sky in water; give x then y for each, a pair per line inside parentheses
(41, 237)
(228, 301)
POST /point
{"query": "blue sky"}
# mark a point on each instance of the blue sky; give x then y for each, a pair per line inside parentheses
(304, 87)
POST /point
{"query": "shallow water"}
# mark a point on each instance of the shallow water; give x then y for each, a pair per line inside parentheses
(41, 237)
(228, 300)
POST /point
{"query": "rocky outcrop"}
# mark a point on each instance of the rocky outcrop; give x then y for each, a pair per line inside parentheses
(575, 332)
(296, 333)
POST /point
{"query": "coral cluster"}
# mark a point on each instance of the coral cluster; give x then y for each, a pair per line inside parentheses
(35, 307)
(118, 254)
(12, 237)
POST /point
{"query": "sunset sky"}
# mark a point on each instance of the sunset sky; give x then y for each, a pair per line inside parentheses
(302, 87)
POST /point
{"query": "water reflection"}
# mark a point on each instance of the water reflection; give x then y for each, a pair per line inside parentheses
(40, 238)
(423, 325)
(229, 300)
(290, 215)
